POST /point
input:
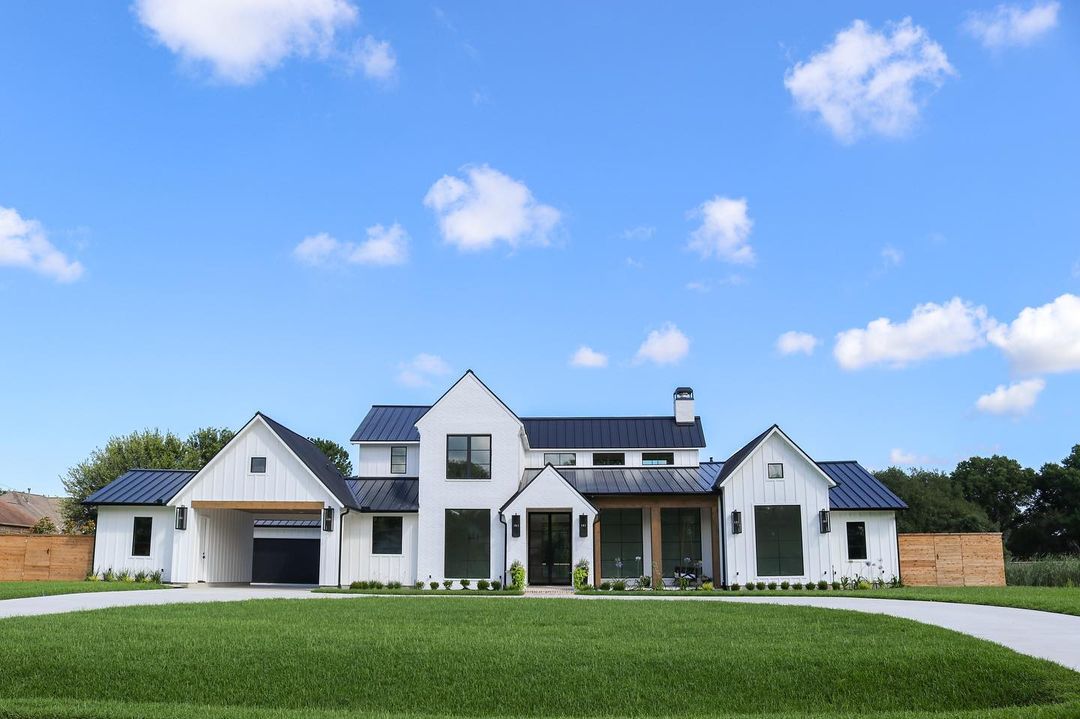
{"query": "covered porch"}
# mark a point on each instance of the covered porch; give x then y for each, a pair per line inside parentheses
(658, 535)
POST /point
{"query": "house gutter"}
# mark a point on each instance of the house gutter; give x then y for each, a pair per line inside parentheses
(341, 536)
(502, 519)
(722, 519)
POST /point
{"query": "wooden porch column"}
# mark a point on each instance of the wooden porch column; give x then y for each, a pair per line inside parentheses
(714, 525)
(657, 558)
(596, 552)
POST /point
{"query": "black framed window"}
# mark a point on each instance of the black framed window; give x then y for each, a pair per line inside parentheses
(561, 459)
(386, 535)
(468, 456)
(399, 458)
(776, 470)
(651, 458)
(140, 536)
(856, 540)
(467, 544)
(778, 540)
(680, 539)
(609, 459)
(621, 542)
(258, 465)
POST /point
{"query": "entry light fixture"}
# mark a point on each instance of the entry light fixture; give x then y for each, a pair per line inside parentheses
(583, 525)
(736, 522)
(328, 519)
(825, 521)
(515, 525)
(181, 517)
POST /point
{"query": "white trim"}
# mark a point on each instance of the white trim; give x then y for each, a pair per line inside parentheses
(772, 431)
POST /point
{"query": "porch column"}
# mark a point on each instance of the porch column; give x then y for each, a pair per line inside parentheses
(657, 557)
(596, 552)
(714, 525)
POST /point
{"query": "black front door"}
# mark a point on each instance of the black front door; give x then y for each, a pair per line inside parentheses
(549, 548)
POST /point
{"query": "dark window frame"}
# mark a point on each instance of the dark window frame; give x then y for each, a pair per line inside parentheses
(673, 522)
(385, 534)
(657, 459)
(572, 455)
(476, 564)
(609, 455)
(769, 470)
(136, 542)
(469, 464)
(404, 460)
(615, 526)
(779, 556)
(251, 465)
(861, 526)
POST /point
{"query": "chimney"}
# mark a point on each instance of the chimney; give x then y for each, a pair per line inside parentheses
(684, 405)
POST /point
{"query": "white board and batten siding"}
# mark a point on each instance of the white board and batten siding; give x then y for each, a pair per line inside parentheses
(373, 459)
(882, 558)
(115, 529)
(682, 457)
(359, 564)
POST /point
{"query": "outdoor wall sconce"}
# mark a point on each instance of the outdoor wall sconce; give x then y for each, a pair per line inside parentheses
(736, 522)
(583, 525)
(515, 525)
(181, 517)
(328, 519)
(826, 522)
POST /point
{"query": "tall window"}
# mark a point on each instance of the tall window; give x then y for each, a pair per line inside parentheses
(778, 538)
(386, 535)
(560, 459)
(621, 542)
(140, 536)
(856, 540)
(608, 459)
(680, 539)
(651, 458)
(468, 456)
(399, 457)
(468, 544)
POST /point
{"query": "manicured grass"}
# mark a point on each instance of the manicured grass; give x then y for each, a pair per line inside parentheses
(1063, 600)
(17, 590)
(430, 592)
(527, 657)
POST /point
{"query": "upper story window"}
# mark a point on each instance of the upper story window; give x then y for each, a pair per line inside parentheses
(609, 459)
(468, 456)
(560, 459)
(258, 465)
(399, 455)
(651, 458)
(776, 470)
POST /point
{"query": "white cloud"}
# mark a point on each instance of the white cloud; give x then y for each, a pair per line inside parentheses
(487, 207)
(904, 458)
(421, 370)
(376, 58)
(588, 357)
(666, 345)
(1008, 25)
(891, 256)
(933, 330)
(698, 286)
(1016, 399)
(633, 263)
(724, 230)
(868, 80)
(383, 246)
(23, 243)
(793, 342)
(243, 39)
(641, 232)
(1042, 339)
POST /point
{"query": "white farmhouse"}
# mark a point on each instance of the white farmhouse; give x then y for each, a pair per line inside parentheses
(463, 488)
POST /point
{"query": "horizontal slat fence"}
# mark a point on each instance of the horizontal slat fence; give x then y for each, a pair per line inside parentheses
(952, 560)
(31, 557)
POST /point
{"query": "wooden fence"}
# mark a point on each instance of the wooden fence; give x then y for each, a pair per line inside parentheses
(952, 560)
(26, 557)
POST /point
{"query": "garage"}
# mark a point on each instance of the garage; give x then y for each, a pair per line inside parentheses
(285, 552)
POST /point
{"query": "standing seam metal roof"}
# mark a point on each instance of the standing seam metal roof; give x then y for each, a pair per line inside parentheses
(142, 486)
(856, 488)
(380, 494)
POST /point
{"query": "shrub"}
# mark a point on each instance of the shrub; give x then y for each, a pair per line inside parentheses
(734, 587)
(683, 583)
(895, 582)
(496, 584)
(797, 585)
(618, 585)
(108, 575)
(93, 577)
(517, 575)
(465, 583)
(760, 585)
(605, 586)
(418, 585)
(749, 586)
(785, 585)
(447, 583)
(358, 585)
(772, 585)
(140, 576)
(809, 586)
(581, 574)
(835, 586)
(822, 585)
(433, 585)
(644, 581)
(845, 582)
(376, 584)
(126, 577)
(706, 586)
(1047, 570)
(862, 584)
(483, 585)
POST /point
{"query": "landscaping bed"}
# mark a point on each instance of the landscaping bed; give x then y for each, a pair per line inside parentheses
(19, 590)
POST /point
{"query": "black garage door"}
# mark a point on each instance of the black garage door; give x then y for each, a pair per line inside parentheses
(285, 561)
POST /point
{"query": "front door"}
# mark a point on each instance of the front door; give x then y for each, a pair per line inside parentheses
(549, 548)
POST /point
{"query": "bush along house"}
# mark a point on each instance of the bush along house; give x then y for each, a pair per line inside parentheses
(464, 488)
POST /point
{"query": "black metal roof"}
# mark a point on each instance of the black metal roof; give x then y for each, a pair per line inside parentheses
(742, 453)
(856, 488)
(397, 423)
(636, 480)
(315, 460)
(380, 494)
(142, 486)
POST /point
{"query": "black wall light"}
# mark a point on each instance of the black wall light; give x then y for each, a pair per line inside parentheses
(825, 521)
(736, 522)
(515, 525)
(181, 517)
(328, 519)
(583, 525)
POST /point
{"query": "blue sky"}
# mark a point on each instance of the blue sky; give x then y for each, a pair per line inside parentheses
(208, 212)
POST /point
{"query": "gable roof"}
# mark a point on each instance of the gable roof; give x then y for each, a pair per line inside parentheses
(143, 486)
(856, 488)
(397, 423)
(470, 373)
(313, 458)
(527, 481)
(736, 460)
(380, 494)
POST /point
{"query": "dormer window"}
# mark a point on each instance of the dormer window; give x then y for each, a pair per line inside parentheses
(468, 456)
(258, 465)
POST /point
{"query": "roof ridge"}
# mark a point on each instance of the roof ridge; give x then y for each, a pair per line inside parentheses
(607, 416)
(159, 469)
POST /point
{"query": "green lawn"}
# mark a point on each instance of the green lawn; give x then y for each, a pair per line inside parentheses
(527, 657)
(17, 590)
(411, 591)
(1064, 600)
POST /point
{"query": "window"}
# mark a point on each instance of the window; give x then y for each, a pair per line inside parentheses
(608, 459)
(399, 456)
(680, 539)
(776, 470)
(140, 536)
(468, 456)
(856, 540)
(778, 539)
(621, 542)
(386, 535)
(560, 459)
(468, 544)
(258, 465)
(648, 458)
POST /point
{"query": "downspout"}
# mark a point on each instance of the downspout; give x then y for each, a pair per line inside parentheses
(502, 519)
(722, 519)
(341, 536)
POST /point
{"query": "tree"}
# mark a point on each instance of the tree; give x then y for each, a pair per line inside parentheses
(45, 525)
(935, 502)
(1051, 524)
(999, 485)
(335, 453)
(204, 443)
